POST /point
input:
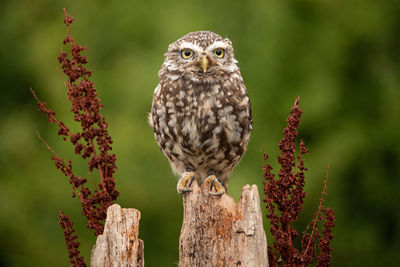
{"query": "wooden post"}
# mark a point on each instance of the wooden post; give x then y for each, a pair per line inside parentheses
(119, 245)
(216, 231)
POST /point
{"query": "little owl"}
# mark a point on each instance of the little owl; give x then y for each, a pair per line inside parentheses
(201, 113)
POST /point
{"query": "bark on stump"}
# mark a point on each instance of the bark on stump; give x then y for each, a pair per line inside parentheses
(119, 244)
(216, 231)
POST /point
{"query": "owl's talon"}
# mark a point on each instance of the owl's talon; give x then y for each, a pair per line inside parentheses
(211, 184)
(191, 181)
(185, 182)
(185, 190)
(215, 183)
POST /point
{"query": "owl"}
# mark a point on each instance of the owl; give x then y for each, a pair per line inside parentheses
(201, 113)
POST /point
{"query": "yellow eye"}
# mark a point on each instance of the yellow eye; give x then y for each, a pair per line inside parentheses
(219, 53)
(187, 53)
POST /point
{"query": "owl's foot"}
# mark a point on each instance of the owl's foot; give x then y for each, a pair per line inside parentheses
(185, 182)
(215, 183)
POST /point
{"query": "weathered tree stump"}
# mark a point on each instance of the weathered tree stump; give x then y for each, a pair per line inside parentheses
(119, 244)
(216, 231)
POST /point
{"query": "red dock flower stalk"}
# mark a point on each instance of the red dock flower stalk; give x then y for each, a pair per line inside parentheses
(92, 142)
(70, 240)
(284, 198)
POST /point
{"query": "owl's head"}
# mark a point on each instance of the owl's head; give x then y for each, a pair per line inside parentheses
(201, 56)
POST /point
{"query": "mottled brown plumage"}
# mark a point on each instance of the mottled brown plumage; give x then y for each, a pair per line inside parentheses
(201, 113)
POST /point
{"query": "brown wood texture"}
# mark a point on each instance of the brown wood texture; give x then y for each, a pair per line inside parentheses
(119, 244)
(216, 231)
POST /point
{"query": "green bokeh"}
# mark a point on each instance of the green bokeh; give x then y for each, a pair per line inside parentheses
(341, 57)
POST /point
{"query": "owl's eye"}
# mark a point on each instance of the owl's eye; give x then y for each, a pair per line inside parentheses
(187, 53)
(219, 53)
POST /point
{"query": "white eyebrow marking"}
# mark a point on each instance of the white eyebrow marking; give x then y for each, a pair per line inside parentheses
(217, 44)
(192, 46)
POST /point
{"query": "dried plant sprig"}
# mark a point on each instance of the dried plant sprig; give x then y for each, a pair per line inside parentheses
(51, 116)
(327, 216)
(284, 198)
(86, 106)
(286, 193)
(92, 142)
(70, 240)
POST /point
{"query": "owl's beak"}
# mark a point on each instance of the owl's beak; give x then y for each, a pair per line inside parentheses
(204, 63)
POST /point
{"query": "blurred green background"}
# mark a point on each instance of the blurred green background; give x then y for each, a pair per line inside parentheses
(341, 57)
